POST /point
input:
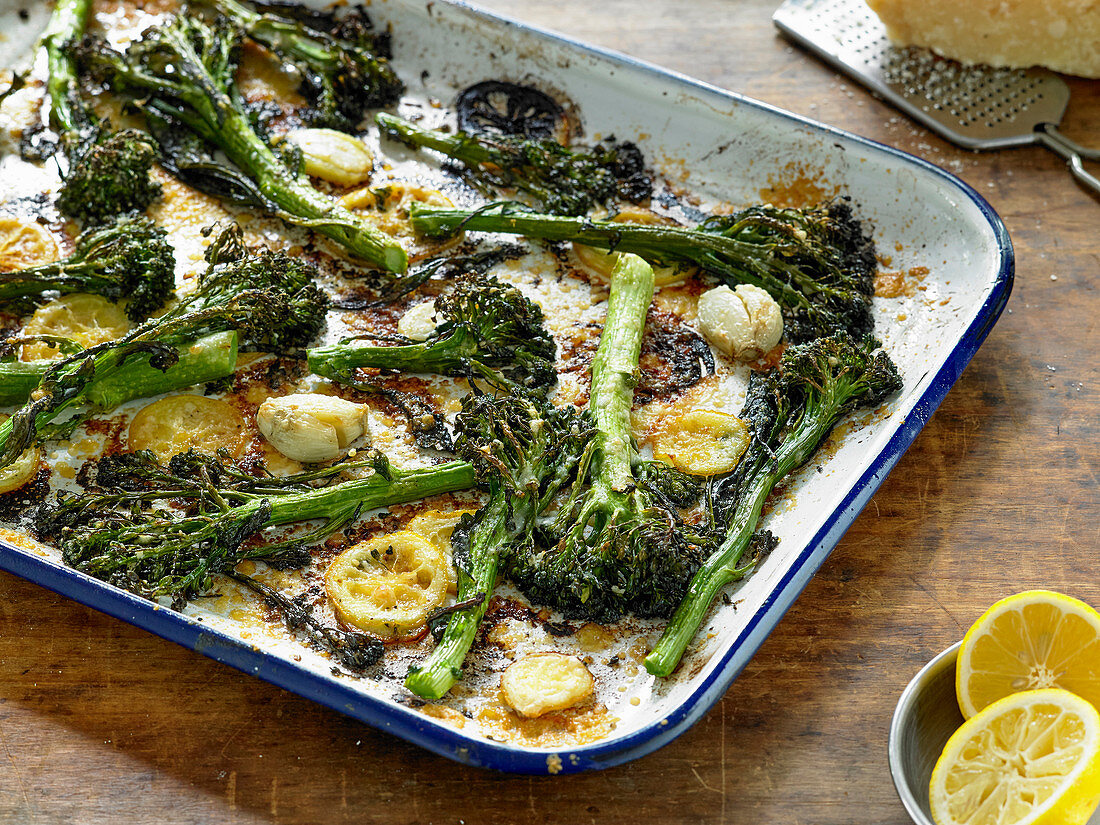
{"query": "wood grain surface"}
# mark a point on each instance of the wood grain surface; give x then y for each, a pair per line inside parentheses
(103, 723)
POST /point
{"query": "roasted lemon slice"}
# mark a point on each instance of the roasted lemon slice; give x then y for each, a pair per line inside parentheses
(86, 319)
(179, 423)
(1035, 639)
(437, 526)
(24, 244)
(700, 442)
(1032, 758)
(389, 584)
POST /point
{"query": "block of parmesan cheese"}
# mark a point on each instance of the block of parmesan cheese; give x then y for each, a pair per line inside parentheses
(1063, 35)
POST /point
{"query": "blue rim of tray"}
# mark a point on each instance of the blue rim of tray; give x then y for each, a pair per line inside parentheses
(413, 726)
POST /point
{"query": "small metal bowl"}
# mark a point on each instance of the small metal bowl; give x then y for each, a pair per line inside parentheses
(926, 716)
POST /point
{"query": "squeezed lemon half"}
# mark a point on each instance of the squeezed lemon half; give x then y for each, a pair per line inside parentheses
(1032, 758)
(1035, 639)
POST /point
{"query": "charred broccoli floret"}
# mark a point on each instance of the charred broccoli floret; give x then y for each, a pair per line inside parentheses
(343, 73)
(791, 411)
(109, 176)
(183, 73)
(563, 181)
(269, 301)
(109, 173)
(817, 263)
(618, 543)
(488, 330)
(129, 258)
(523, 452)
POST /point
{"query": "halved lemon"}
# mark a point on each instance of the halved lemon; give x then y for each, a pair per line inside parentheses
(1035, 639)
(1032, 758)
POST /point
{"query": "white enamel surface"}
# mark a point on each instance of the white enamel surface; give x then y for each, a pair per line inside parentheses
(726, 151)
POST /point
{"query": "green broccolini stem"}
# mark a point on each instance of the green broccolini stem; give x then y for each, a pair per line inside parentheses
(230, 129)
(177, 557)
(657, 244)
(442, 668)
(206, 359)
(799, 444)
(66, 24)
(336, 359)
(342, 501)
(462, 148)
(18, 379)
(180, 84)
(615, 369)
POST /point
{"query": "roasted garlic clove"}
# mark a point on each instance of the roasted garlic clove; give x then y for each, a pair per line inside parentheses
(333, 156)
(419, 322)
(311, 427)
(745, 322)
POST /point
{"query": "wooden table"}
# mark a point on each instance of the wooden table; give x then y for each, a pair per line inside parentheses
(103, 723)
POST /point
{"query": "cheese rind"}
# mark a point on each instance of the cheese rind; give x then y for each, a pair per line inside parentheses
(1063, 35)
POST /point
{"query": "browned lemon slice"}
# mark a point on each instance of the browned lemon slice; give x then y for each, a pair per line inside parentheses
(437, 526)
(179, 423)
(389, 584)
(86, 319)
(20, 471)
(700, 442)
(24, 244)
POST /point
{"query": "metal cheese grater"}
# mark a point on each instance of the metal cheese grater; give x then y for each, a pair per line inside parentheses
(977, 107)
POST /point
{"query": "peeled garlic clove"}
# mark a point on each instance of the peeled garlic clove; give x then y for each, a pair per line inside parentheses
(545, 682)
(311, 427)
(744, 323)
(419, 322)
(724, 320)
(333, 156)
(765, 315)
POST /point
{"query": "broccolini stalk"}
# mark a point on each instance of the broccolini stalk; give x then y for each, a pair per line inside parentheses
(129, 258)
(108, 173)
(618, 544)
(124, 534)
(816, 263)
(342, 79)
(791, 410)
(524, 452)
(562, 180)
(184, 72)
(270, 299)
(67, 111)
(205, 359)
(488, 330)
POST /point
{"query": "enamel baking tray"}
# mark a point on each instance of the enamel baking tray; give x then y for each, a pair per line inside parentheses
(729, 148)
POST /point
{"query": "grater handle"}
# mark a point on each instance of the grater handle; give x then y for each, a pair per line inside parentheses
(1072, 152)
